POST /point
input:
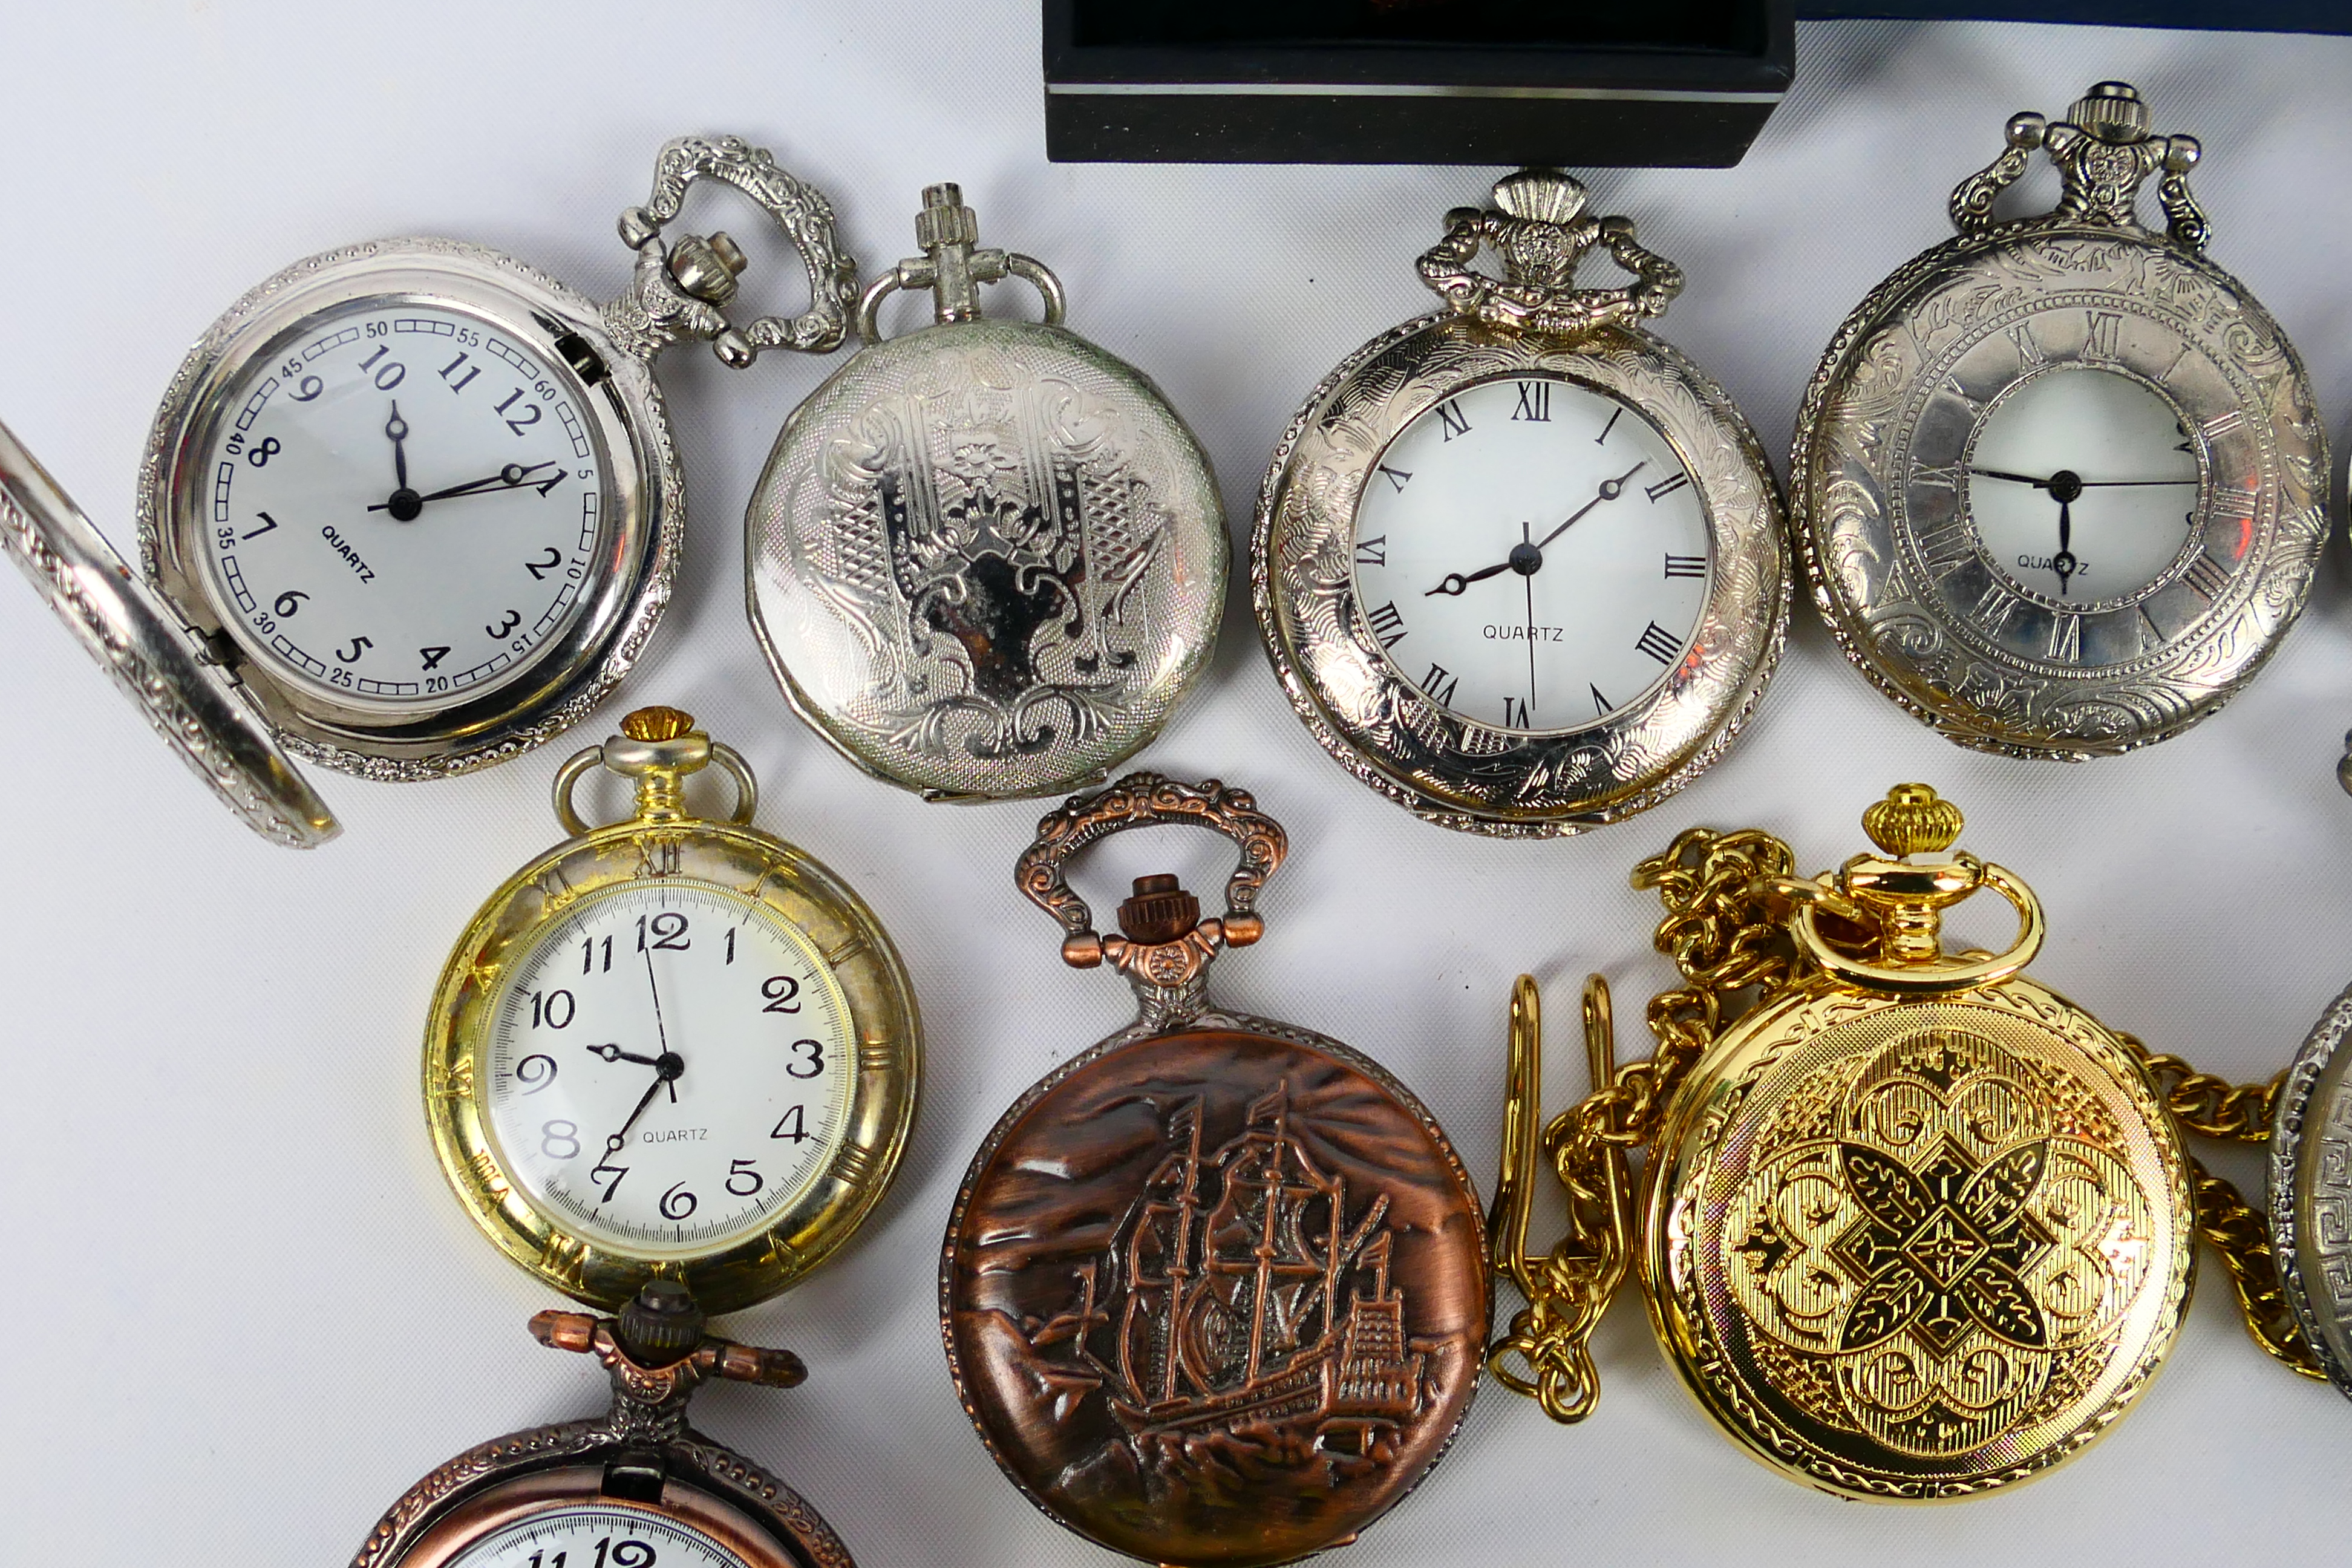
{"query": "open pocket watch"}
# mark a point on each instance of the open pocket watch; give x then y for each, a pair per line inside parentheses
(2059, 482)
(1215, 1288)
(987, 559)
(1570, 524)
(671, 1067)
(1912, 1226)
(670, 1046)
(413, 507)
(635, 1488)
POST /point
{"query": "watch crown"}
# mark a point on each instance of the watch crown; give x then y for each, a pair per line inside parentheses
(660, 1323)
(2113, 112)
(656, 724)
(945, 220)
(1160, 911)
(1911, 820)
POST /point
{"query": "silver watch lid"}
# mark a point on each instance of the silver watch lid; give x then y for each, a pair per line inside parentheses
(192, 702)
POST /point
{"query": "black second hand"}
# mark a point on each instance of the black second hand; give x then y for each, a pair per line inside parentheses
(1529, 578)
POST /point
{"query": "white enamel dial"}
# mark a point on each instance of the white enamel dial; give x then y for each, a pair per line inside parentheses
(403, 507)
(1531, 554)
(670, 1067)
(595, 1535)
(2084, 486)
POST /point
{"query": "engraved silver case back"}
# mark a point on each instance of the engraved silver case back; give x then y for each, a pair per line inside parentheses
(2311, 1191)
(1447, 769)
(986, 559)
(1879, 496)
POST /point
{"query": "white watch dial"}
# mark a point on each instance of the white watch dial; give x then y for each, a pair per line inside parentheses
(1532, 555)
(2084, 486)
(594, 1535)
(403, 507)
(670, 1067)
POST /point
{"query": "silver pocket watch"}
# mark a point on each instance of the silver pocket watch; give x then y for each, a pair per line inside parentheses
(986, 559)
(2059, 482)
(413, 507)
(1518, 563)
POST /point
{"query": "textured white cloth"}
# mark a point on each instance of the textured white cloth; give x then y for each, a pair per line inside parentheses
(245, 1312)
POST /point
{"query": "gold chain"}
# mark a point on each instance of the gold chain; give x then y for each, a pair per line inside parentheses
(1725, 928)
(2235, 1228)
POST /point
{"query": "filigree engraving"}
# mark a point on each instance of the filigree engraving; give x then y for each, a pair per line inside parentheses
(2311, 1191)
(1928, 1249)
(1898, 565)
(1933, 1246)
(982, 564)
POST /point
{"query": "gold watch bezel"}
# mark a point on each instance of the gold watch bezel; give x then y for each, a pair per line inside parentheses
(794, 887)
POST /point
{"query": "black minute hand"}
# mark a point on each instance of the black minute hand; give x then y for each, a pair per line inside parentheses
(1609, 491)
(508, 478)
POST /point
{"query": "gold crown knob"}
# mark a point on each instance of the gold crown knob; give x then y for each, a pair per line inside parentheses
(656, 724)
(1912, 819)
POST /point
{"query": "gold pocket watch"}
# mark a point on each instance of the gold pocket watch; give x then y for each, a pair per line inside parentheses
(671, 1067)
(670, 1046)
(413, 507)
(1518, 563)
(2059, 482)
(1912, 1226)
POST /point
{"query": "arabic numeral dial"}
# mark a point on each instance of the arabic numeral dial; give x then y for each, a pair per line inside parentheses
(594, 1535)
(1530, 555)
(668, 1067)
(402, 507)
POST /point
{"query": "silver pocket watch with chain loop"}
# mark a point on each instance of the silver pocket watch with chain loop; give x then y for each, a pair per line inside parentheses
(413, 507)
(986, 559)
(1518, 563)
(2059, 482)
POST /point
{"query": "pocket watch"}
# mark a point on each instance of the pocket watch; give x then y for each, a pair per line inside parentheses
(1214, 1291)
(413, 507)
(1570, 523)
(670, 1046)
(2307, 1112)
(1913, 1227)
(986, 559)
(632, 1489)
(2059, 482)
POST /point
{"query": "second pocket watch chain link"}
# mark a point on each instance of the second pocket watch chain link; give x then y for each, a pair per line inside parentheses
(1730, 899)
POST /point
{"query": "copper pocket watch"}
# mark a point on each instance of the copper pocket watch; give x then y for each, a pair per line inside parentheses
(986, 559)
(1214, 1291)
(1519, 563)
(413, 507)
(670, 1069)
(629, 1490)
(2059, 482)
(1912, 1226)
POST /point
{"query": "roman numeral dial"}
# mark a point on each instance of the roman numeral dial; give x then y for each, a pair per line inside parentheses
(1524, 547)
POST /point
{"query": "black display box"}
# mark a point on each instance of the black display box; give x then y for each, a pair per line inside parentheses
(2241, 15)
(1681, 82)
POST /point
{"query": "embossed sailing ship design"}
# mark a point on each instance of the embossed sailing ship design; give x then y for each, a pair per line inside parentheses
(1020, 540)
(1236, 1294)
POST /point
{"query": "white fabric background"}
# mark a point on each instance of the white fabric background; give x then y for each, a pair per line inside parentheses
(242, 1311)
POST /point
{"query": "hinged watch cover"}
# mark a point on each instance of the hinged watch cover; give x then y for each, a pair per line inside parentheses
(156, 659)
